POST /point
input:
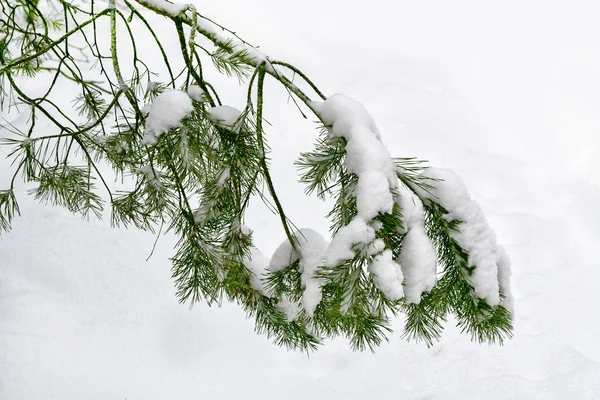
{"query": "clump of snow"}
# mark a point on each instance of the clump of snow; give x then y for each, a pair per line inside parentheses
(310, 250)
(373, 194)
(342, 245)
(387, 275)
(475, 235)
(367, 157)
(288, 307)
(418, 257)
(196, 93)
(146, 109)
(371, 162)
(257, 263)
(225, 115)
(283, 256)
(166, 112)
(376, 247)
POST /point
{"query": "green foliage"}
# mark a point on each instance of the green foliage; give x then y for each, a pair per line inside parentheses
(231, 62)
(322, 167)
(70, 187)
(8, 208)
(198, 179)
(453, 292)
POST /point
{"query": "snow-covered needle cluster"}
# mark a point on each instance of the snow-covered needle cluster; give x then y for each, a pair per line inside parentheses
(405, 239)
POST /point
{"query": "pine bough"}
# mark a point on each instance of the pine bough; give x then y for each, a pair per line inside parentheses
(404, 238)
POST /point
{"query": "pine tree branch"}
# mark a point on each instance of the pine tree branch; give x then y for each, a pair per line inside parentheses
(218, 165)
(24, 59)
(259, 116)
(222, 43)
(155, 37)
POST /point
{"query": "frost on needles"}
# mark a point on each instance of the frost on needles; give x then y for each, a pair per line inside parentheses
(405, 239)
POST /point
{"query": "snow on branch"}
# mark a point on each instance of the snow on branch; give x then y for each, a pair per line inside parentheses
(488, 261)
(310, 251)
(166, 112)
(418, 257)
(257, 264)
(371, 162)
(171, 8)
(389, 231)
(226, 115)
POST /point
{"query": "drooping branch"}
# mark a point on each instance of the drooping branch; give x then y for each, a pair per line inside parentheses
(195, 165)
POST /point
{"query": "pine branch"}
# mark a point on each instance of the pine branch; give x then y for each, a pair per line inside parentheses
(199, 173)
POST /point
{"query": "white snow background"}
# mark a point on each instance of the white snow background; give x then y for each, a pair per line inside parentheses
(507, 94)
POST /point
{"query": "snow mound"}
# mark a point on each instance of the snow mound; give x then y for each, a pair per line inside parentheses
(225, 115)
(310, 251)
(167, 111)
